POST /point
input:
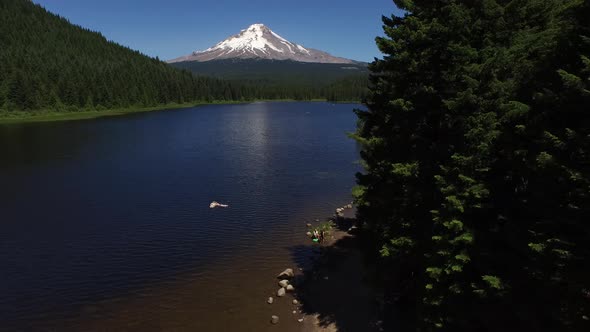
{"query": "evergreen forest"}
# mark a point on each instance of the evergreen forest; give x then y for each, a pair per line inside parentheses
(285, 79)
(47, 63)
(476, 155)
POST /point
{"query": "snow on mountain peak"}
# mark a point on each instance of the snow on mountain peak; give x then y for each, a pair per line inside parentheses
(253, 39)
(258, 41)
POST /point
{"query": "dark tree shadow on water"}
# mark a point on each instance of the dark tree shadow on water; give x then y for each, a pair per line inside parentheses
(333, 283)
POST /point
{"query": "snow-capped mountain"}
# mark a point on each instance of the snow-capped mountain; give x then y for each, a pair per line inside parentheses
(258, 41)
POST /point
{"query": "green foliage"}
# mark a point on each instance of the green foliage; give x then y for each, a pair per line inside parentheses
(51, 65)
(358, 191)
(493, 281)
(324, 226)
(273, 79)
(476, 146)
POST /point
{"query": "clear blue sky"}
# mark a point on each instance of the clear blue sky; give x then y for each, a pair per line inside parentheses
(172, 28)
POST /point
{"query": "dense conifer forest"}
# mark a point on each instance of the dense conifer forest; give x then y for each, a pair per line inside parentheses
(281, 79)
(476, 152)
(46, 63)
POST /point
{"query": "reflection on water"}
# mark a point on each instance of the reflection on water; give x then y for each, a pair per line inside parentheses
(105, 223)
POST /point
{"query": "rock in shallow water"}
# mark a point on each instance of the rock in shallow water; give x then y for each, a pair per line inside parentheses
(295, 302)
(283, 283)
(281, 292)
(274, 319)
(288, 273)
(290, 288)
(270, 300)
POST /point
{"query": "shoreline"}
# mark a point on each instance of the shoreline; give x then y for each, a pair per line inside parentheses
(53, 116)
(332, 289)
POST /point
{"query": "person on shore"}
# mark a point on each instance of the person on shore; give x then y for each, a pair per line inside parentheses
(316, 236)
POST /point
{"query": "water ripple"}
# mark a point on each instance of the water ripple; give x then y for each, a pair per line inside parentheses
(106, 222)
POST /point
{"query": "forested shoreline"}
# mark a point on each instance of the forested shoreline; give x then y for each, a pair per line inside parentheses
(49, 65)
(476, 153)
(286, 79)
(475, 145)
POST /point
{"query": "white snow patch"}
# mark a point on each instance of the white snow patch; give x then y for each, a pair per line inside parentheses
(257, 40)
(303, 49)
(251, 38)
(288, 46)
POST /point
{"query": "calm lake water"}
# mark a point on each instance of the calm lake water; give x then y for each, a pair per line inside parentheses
(105, 224)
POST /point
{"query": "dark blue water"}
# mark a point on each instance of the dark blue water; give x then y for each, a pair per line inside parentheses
(103, 220)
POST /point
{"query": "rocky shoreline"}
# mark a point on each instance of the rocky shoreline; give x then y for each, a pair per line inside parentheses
(314, 291)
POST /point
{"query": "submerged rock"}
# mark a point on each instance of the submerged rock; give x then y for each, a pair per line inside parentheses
(288, 273)
(283, 283)
(274, 319)
(300, 320)
(215, 204)
(281, 292)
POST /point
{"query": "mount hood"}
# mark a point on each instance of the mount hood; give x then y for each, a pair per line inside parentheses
(260, 42)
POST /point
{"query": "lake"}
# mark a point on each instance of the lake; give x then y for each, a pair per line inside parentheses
(105, 224)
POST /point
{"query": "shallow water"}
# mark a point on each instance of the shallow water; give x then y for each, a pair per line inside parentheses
(105, 224)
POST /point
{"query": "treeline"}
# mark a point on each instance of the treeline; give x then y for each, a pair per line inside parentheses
(285, 79)
(46, 63)
(352, 88)
(476, 148)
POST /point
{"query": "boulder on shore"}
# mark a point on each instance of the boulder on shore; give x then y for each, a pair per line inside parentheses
(274, 319)
(288, 273)
(283, 283)
(281, 292)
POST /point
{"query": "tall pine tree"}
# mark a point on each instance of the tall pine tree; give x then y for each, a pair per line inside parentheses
(475, 147)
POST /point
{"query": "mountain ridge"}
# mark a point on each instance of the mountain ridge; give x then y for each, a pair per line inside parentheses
(260, 42)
